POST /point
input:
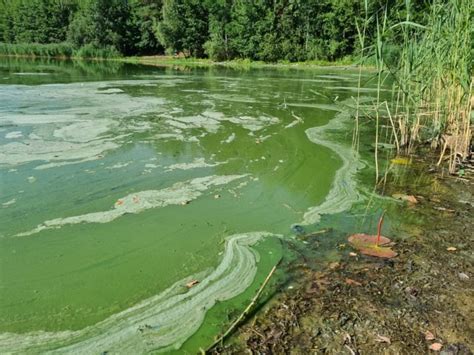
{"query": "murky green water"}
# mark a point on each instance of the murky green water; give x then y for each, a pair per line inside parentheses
(119, 184)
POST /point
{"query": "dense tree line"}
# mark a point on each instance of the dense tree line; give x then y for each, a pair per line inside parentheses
(269, 30)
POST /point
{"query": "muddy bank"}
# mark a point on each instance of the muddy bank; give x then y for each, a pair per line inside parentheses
(419, 301)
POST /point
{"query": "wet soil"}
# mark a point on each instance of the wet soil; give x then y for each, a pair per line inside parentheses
(367, 305)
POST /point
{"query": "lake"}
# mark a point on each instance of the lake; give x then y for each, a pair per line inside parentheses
(139, 204)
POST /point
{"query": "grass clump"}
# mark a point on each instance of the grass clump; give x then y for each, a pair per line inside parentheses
(57, 50)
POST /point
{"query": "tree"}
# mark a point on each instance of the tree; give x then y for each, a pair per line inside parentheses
(104, 23)
(184, 27)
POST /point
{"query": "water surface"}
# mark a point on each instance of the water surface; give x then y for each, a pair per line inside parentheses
(120, 183)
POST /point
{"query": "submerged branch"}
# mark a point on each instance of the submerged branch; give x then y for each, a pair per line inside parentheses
(245, 312)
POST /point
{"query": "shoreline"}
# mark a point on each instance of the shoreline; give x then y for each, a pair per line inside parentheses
(169, 61)
(412, 303)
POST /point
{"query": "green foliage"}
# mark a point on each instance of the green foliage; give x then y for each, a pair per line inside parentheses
(103, 23)
(34, 21)
(260, 30)
(184, 27)
(431, 65)
(57, 50)
(37, 50)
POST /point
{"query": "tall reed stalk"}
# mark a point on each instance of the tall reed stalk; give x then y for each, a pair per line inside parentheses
(432, 80)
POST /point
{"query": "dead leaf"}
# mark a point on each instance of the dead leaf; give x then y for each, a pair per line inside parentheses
(379, 252)
(192, 283)
(372, 245)
(451, 249)
(365, 239)
(429, 336)
(382, 339)
(403, 197)
(436, 346)
(353, 282)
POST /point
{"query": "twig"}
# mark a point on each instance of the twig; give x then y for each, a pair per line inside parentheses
(245, 312)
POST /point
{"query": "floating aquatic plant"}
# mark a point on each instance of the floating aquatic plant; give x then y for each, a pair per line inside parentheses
(373, 245)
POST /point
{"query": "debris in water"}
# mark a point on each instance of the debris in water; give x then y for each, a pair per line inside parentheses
(296, 228)
(371, 244)
(31, 179)
(407, 198)
(401, 161)
(192, 283)
(362, 239)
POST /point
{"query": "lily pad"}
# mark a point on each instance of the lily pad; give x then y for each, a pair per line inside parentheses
(362, 239)
(372, 245)
(378, 251)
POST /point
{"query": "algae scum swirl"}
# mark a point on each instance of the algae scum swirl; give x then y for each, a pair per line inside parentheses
(121, 185)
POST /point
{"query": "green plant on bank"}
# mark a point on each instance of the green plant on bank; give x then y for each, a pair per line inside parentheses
(57, 50)
(432, 79)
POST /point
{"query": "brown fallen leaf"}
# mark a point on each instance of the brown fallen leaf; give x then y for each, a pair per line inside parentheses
(373, 245)
(451, 249)
(363, 239)
(353, 282)
(192, 283)
(403, 197)
(382, 339)
(429, 336)
(379, 252)
(436, 346)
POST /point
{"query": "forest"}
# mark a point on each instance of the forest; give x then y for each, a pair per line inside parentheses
(265, 30)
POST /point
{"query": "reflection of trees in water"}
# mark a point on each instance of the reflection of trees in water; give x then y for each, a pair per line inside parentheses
(63, 70)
